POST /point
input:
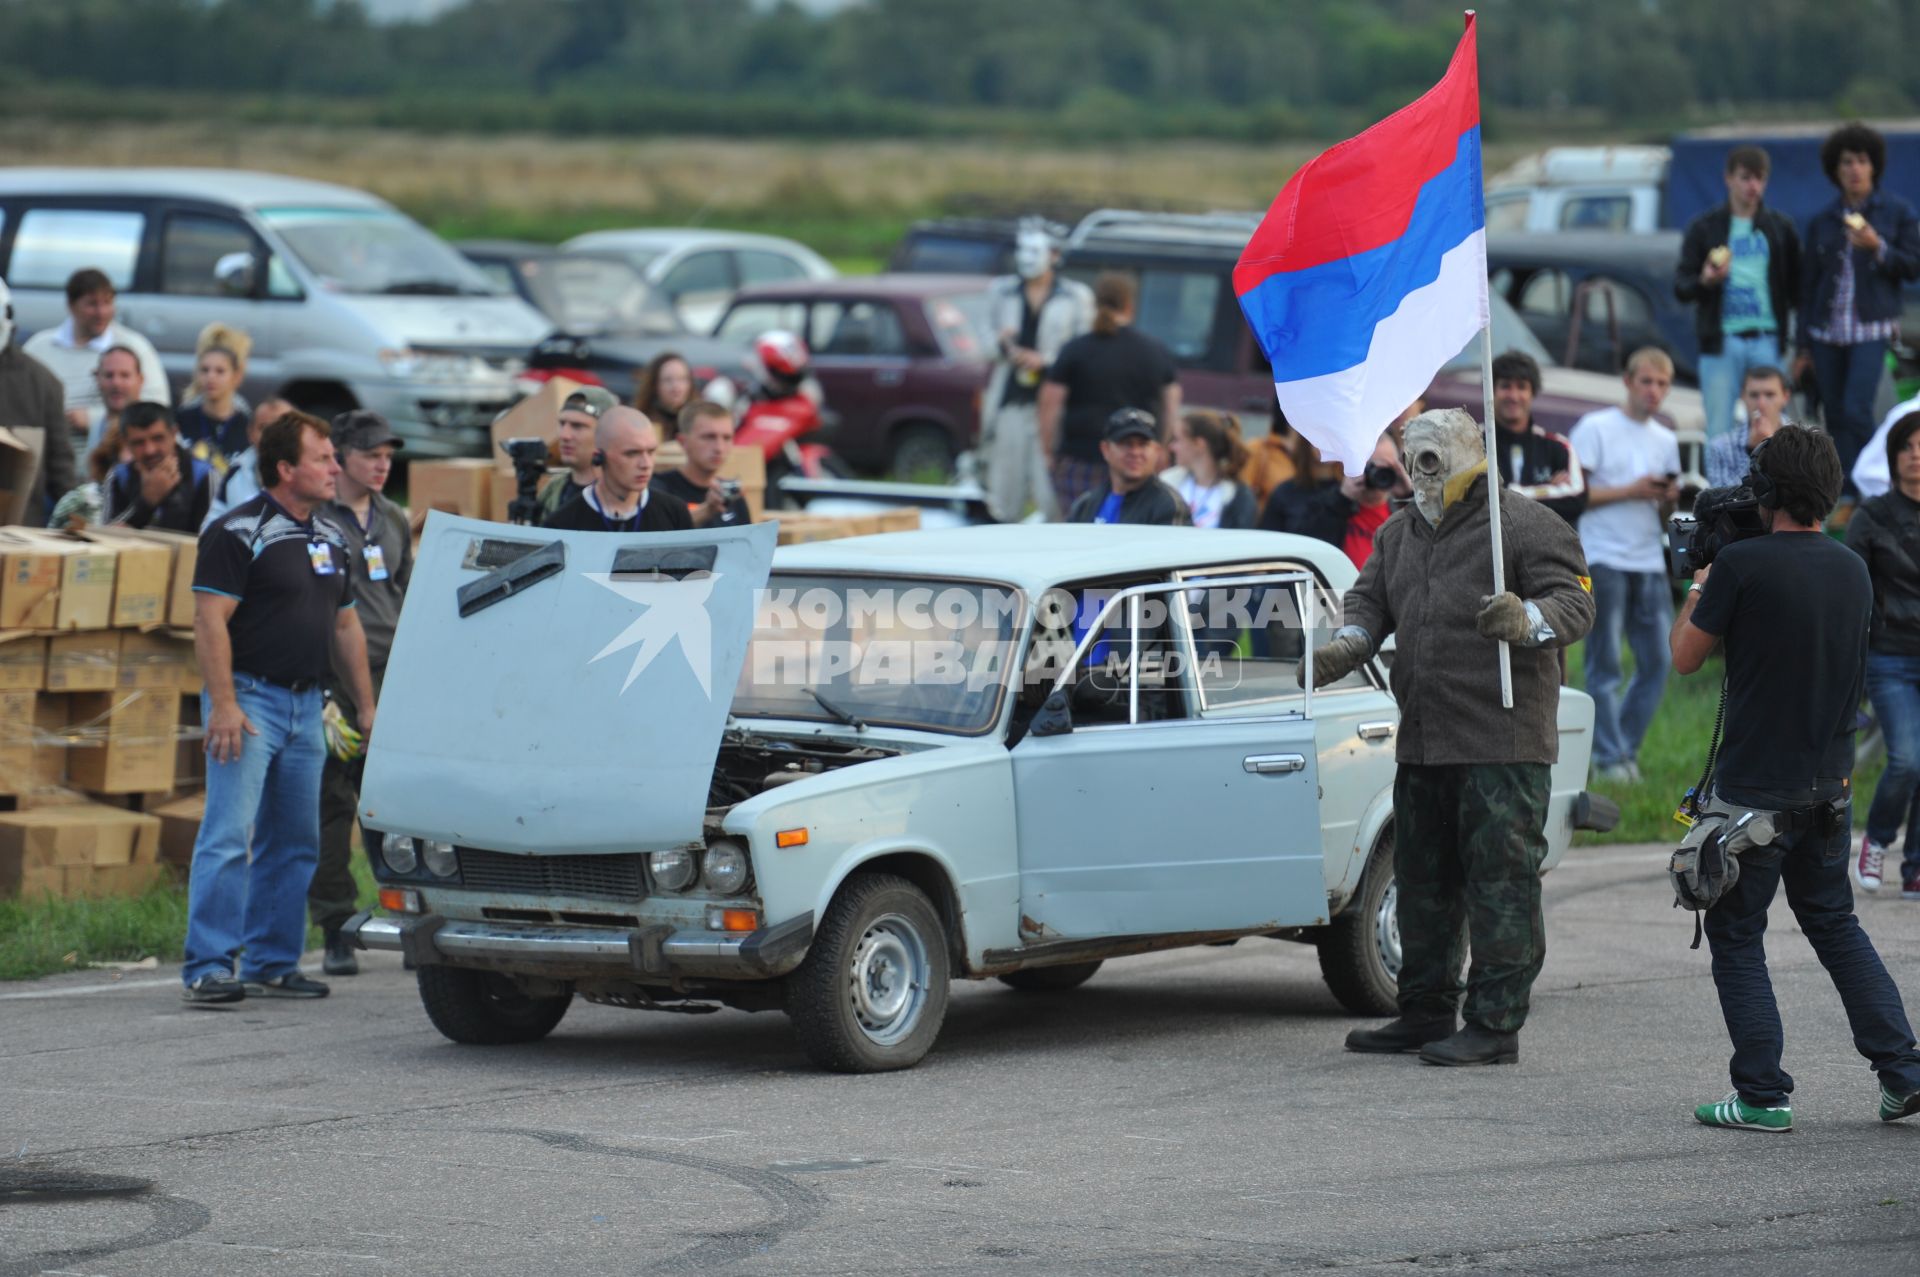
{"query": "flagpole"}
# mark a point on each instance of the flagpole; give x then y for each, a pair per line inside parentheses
(1493, 502)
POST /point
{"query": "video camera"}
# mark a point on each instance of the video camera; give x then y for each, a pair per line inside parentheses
(1720, 517)
(529, 458)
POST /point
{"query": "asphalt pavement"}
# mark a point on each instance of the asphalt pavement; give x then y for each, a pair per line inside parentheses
(1190, 1111)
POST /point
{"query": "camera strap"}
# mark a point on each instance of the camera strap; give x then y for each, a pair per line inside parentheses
(1696, 798)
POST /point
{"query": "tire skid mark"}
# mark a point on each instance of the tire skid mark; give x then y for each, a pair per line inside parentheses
(794, 1205)
(173, 1217)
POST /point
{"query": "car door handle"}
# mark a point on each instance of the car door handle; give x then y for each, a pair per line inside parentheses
(1274, 764)
(1375, 731)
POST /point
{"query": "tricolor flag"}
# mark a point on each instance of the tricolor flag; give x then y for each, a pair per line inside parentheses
(1369, 271)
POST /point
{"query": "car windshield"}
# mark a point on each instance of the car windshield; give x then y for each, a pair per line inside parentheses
(596, 294)
(963, 322)
(1510, 332)
(371, 250)
(887, 651)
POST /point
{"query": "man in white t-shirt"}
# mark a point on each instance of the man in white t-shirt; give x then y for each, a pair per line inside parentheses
(1632, 463)
(71, 349)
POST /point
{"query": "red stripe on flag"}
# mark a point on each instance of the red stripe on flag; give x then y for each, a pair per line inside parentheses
(1359, 195)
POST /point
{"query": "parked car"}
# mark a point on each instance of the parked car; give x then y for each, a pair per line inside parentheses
(1593, 298)
(1183, 267)
(698, 271)
(956, 246)
(901, 359)
(609, 321)
(781, 819)
(350, 303)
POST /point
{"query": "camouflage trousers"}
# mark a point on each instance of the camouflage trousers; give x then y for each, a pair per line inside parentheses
(1468, 842)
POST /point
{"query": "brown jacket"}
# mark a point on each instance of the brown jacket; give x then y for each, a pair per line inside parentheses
(1426, 585)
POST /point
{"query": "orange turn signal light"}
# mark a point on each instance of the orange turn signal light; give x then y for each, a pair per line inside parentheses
(790, 838)
(739, 920)
(399, 900)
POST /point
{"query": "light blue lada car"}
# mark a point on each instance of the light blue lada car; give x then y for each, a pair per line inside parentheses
(684, 770)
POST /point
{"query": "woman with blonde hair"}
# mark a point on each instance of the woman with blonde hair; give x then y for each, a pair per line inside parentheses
(213, 422)
(1208, 459)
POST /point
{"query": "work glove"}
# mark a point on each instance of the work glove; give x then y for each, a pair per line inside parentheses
(1504, 617)
(1341, 656)
(344, 740)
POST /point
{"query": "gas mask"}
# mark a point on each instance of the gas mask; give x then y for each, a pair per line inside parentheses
(1032, 252)
(1445, 453)
(6, 315)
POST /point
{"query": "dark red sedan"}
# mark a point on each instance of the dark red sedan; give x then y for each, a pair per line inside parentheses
(901, 359)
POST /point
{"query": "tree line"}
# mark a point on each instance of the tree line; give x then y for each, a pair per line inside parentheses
(1093, 69)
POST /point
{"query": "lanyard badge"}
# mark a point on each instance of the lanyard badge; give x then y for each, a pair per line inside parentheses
(376, 563)
(320, 555)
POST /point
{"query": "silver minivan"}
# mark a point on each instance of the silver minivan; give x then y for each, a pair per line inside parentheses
(350, 303)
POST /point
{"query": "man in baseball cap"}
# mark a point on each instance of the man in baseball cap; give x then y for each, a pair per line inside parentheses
(579, 417)
(1130, 446)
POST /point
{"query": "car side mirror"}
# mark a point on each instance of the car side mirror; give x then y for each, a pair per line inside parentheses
(234, 272)
(1054, 717)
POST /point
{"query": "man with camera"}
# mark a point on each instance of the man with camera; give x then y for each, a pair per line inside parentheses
(705, 433)
(573, 440)
(1792, 607)
(617, 500)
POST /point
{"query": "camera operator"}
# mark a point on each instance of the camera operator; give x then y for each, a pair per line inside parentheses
(1792, 608)
(706, 434)
(617, 501)
(579, 418)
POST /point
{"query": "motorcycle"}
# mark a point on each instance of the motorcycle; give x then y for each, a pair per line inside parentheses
(781, 412)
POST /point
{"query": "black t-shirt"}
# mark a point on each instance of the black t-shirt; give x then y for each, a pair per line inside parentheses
(675, 486)
(292, 579)
(1793, 609)
(1103, 373)
(227, 436)
(1019, 391)
(582, 515)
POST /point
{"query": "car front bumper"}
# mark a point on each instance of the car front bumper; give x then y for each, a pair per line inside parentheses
(576, 952)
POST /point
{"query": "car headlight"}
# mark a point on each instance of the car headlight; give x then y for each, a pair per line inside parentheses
(399, 361)
(398, 851)
(724, 868)
(672, 870)
(440, 858)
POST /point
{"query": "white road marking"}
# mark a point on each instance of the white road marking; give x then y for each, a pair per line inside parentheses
(77, 990)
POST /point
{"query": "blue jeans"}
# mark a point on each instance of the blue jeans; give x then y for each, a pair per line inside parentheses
(1848, 377)
(1815, 873)
(1893, 685)
(1641, 603)
(1721, 375)
(268, 801)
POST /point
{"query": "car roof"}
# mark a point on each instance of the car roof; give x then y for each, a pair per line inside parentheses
(1037, 556)
(897, 284)
(217, 185)
(506, 248)
(1646, 250)
(669, 238)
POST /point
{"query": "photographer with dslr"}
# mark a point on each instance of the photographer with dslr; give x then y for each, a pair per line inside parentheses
(1792, 607)
(1323, 502)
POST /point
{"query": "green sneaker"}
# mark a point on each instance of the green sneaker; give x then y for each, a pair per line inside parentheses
(1894, 1107)
(1736, 1113)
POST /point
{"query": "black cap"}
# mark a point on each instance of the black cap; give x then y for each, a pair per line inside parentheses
(363, 431)
(1129, 422)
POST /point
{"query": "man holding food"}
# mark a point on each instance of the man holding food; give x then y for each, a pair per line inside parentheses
(1740, 268)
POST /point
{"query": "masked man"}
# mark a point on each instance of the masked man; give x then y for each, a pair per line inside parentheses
(1035, 313)
(1470, 796)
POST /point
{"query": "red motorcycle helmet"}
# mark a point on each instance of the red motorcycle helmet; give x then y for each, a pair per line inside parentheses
(782, 353)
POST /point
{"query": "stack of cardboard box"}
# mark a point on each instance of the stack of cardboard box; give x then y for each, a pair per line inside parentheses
(98, 689)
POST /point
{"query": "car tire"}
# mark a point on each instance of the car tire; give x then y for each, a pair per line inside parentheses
(1360, 949)
(485, 1008)
(921, 450)
(1069, 975)
(872, 992)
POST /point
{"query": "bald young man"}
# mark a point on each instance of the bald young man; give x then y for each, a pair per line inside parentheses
(617, 501)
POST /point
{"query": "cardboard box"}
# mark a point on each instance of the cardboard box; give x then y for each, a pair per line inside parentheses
(142, 578)
(83, 661)
(61, 850)
(157, 660)
(179, 826)
(83, 592)
(29, 582)
(123, 742)
(21, 448)
(31, 760)
(23, 662)
(462, 485)
(190, 754)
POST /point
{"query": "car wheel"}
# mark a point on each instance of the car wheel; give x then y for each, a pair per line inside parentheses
(872, 991)
(1070, 975)
(485, 1008)
(1360, 950)
(922, 453)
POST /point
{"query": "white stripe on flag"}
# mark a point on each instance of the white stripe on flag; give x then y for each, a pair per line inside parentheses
(1343, 413)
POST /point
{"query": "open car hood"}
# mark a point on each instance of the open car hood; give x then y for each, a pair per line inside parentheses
(562, 691)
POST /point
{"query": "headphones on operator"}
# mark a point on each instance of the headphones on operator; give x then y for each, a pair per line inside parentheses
(599, 458)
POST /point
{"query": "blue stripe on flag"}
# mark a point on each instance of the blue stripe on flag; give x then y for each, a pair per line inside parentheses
(1321, 320)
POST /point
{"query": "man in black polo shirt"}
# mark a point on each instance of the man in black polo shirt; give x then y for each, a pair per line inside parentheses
(273, 604)
(706, 435)
(617, 500)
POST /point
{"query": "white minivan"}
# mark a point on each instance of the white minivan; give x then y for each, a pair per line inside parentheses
(350, 303)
